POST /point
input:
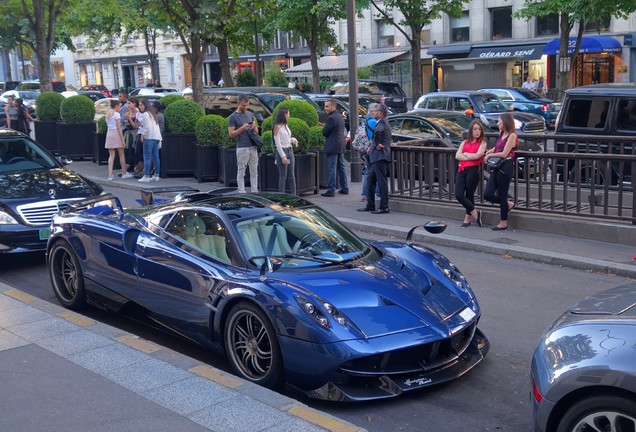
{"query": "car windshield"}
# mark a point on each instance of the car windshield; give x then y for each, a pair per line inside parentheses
(529, 94)
(454, 126)
(490, 104)
(28, 95)
(305, 237)
(20, 154)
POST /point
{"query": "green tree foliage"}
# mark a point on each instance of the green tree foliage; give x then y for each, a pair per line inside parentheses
(417, 14)
(571, 13)
(316, 138)
(48, 106)
(245, 78)
(274, 76)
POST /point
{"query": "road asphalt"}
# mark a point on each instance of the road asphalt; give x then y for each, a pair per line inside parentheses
(63, 371)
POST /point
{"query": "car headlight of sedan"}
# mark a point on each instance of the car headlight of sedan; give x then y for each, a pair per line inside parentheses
(7, 219)
(518, 124)
(320, 314)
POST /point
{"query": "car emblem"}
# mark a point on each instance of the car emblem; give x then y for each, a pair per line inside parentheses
(52, 193)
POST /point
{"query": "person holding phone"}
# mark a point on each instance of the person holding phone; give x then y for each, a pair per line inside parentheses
(246, 154)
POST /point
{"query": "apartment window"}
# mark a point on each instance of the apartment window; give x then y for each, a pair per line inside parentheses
(290, 40)
(548, 25)
(277, 40)
(303, 42)
(460, 28)
(170, 67)
(501, 22)
(386, 34)
(598, 25)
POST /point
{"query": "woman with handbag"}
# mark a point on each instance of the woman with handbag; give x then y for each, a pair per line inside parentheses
(499, 181)
(470, 155)
(284, 152)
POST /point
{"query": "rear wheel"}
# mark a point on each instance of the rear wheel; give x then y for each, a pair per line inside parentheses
(66, 276)
(600, 413)
(252, 346)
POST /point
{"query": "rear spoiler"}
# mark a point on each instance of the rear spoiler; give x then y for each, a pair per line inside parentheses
(186, 193)
(147, 195)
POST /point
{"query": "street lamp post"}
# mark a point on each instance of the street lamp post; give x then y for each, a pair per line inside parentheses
(356, 163)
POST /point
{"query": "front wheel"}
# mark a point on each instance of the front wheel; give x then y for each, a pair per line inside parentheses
(252, 347)
(66, 276)
(600, 413)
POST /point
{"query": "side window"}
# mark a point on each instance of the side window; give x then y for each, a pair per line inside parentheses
(396, 126)
(461, 104)
(626, 115)
(436, 102)
(219, 104)
(587, 113)
(418, 129)
(256, 106)
(203, 231)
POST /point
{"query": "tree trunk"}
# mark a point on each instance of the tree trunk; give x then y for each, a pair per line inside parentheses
(7, 62)
(313, 57)
(224, 60)
(43, 27)
(416, 66)
(564, 38)
(197, 54)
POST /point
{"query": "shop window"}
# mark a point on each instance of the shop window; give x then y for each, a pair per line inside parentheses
(626, 116)
(386, 34)
(548, 25)
(599, 25)
(501, 22)
(170, 69)
(460, 28)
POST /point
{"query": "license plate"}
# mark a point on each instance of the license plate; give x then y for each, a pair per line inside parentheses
(45, 233)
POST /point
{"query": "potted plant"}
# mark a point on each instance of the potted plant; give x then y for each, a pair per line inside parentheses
(100, 153)
(177, 148)
(75, 134)
(208, 132)
(47, 113)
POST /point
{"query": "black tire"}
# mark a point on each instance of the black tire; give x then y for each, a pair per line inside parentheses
(252, 346)
(66, 276)
(598, 411)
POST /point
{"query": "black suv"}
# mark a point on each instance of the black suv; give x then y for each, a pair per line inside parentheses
(386, 92)
(224, 100)
(482, 105)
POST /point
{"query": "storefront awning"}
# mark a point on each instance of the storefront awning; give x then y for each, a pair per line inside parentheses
(449, 49)
(339, 64)
(97, 60)
(133, 60)
(521, 52)
(589, 44)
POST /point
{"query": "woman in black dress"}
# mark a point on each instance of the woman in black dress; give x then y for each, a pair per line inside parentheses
(24, 119)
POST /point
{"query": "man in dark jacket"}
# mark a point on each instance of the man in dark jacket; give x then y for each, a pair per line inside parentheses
(334, 132)
(379, 157)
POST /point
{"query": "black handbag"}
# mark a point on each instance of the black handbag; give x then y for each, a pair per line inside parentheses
(255, 139)
(495, 162)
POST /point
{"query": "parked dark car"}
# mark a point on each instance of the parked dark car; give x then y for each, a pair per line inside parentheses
(602, 110)
(386, 92)
(58, 86)
(8, 85)
(363, 101)
(224, 100)
(279, 286)
(34, 186)
(525, 100)
(421, 124)
(485, 106)
(150, 91)
(583, 369)
(93, 95)
(97, 87)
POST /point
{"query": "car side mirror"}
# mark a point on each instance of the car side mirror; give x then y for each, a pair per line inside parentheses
(469, 112)
(433, 227)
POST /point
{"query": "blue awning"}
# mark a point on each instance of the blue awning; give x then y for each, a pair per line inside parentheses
(589, 44)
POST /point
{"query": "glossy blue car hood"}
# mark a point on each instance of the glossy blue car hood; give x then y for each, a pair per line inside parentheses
(387, 296)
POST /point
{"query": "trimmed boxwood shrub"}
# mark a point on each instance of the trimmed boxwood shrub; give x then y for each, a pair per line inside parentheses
(101, 125)
(170, 99)
(316, 138)
(300, 131)
(182, 116)
(47, 106)
(209, 130)
(227, 141)
(268, 124)
(77, 110)
(300, 110)
(268, 142)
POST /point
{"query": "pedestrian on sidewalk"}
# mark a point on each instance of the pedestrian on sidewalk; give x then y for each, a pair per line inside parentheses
(24, 120)
(370, 123)
(131, 132)
(499, 181)
(11, 113)
(470, 155)
(285, 161)
(115, 140)
(241, 121)
(151, 139)
(334, 133)
(379, 157)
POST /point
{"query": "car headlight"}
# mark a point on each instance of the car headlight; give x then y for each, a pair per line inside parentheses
(320, 315)
(518, 124)
(7, 219)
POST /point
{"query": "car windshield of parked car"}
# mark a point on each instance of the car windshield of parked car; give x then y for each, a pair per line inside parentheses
(306, 237)
(490, 104)
(454, 127)
(20, 154)
(530, 95)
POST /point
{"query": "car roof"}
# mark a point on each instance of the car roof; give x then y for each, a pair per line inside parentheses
(459, 93)
(607, 89)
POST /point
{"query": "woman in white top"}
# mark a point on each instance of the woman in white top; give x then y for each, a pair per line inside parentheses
(285, 160)
(115, 140)
(151, 139)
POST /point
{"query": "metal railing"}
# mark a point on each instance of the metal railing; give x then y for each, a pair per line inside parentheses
(593, 185)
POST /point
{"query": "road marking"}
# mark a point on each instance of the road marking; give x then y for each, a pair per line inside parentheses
(19, 295)
(321, 419)
(138, 343)
(80, 320)
(216, 376)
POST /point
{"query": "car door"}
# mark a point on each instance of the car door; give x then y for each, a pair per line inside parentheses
(176, 278)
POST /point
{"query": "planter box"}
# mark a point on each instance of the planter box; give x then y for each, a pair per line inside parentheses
(100, 153)
(206, 166)
(305, 170)
(46, 134)
(228, 168)
(75, 140)
(323, 171)
(177, 154)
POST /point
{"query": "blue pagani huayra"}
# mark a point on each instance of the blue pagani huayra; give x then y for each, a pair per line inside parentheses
(280, 286)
